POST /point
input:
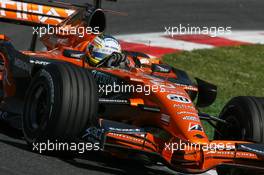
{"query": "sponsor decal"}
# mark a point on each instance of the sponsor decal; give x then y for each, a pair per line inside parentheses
(187, 112)
(191, 118)
(191, 88)
(222, 153)
(44, 63)
(127, 137)
(125, 129)
(195, 127)
(120, 101)
(93, 134)
(178, 98)
(181, 106)
(34, 12)
(244, 154)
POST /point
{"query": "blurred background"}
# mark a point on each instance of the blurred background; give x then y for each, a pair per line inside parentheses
(144, 16)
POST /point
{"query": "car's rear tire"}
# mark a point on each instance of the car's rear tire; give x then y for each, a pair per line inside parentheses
(246, 118)
(60, 103)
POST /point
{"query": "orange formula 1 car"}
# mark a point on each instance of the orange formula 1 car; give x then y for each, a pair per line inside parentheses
(144, 112)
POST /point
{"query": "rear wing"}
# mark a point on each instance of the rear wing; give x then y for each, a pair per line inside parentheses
(34, 14)
(52, 13)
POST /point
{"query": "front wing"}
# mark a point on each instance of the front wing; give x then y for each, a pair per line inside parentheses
(127, 141)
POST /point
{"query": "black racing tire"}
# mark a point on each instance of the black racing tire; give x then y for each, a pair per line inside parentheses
(60, 103)
(245, 116)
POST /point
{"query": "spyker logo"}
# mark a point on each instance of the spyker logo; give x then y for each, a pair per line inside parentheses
(195, 127)
(178, 98)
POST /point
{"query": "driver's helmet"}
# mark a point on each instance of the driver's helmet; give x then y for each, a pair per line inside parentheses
(101, 47)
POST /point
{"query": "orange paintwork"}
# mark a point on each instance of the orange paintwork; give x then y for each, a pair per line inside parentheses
(136, 102)
(3, 37)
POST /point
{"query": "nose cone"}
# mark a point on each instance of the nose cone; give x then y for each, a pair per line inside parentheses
(184, 120)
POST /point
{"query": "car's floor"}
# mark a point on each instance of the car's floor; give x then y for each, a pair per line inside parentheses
(16, 158)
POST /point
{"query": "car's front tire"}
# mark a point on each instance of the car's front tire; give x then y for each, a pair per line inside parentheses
(60, 103)
(245, 116)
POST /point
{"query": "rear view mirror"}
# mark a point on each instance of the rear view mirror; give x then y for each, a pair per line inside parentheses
(162, 68)
(207, 93)
(73, 54)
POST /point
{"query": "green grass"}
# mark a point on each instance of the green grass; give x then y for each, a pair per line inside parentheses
(235, 70)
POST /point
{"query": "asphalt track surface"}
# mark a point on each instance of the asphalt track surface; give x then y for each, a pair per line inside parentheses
(143, 16)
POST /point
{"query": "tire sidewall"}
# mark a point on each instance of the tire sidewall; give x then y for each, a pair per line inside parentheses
(248, 113)
(42, 78)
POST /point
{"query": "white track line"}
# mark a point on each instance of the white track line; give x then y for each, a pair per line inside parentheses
(156, 39)
(254, 37)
